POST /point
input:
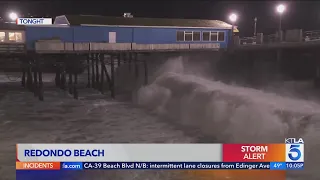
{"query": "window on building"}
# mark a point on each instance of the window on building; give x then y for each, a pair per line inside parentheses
(15, 36)
(206, 36)
(213, 36)
(221, 36)
(188, 36)
(180, 35)
(196, 36)
(2, 36)
(12, 36)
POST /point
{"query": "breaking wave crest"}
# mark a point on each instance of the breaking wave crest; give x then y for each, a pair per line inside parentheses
(233, 114)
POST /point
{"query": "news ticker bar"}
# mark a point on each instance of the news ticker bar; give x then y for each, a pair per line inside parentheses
(159, 165)
(160, 152)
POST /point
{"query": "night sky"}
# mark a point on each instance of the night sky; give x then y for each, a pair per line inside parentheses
(304, 15)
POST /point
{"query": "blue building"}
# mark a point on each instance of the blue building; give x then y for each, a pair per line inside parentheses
(99, 33)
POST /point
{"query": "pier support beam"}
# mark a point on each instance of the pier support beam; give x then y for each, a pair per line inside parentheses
(93, 72)
(29, 76)
(58, 75)
(136, 67)
(97, 84)
(75, 91)
(88, 70)
(102, 73)
(40, 85)
(129, 61)
(70, 87)
(145, 71)
(35, 78)
(63, 79)
(124, 56)
(103, 67)
(119, 60)
(112, 88)
(23, 78)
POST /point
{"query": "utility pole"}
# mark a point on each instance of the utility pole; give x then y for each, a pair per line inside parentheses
(255, 27)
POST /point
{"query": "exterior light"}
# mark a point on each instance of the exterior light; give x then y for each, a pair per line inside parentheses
(281, 8)
(233, 17)
(13, 16)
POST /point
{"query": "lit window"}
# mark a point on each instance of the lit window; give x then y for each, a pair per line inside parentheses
(2, 36)
(15, 36)
(12, 36)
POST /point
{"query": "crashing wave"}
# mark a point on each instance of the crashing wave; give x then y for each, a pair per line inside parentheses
(232, 114)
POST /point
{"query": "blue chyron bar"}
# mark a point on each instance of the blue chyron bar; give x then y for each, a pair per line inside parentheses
(294, 165)
(46, 175)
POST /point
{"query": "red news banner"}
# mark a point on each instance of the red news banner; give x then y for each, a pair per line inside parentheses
(254, 152)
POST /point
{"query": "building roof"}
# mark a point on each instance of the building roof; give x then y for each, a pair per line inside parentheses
(137, 21)
(10, 26)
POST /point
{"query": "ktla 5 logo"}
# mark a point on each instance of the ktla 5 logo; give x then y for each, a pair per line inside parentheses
(294, 152)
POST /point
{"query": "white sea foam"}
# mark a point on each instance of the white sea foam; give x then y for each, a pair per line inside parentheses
(233, 114)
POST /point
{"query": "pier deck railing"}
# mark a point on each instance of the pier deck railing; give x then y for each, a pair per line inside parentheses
(306, 36)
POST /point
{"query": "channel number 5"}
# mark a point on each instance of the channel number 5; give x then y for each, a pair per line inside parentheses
(294, 152)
